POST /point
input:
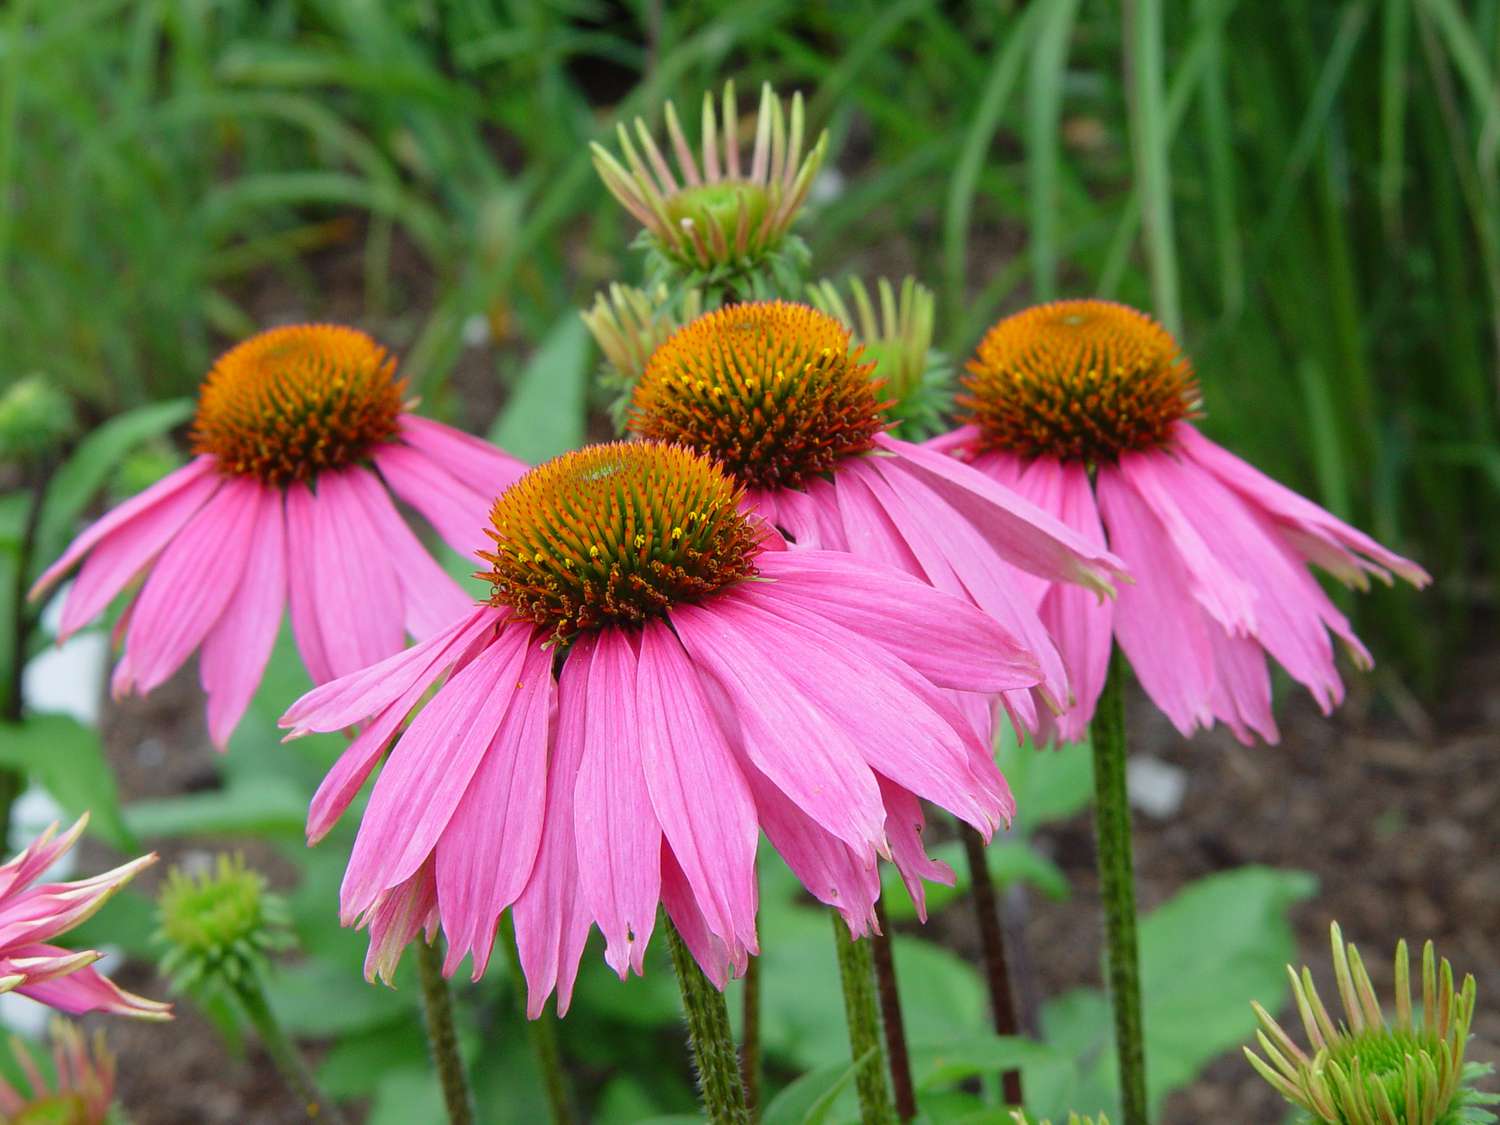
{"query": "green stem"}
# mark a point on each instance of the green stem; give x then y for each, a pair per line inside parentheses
(1117, 888)
(857, 972)
(750, 1038)
(442, 1036)
(543, 1033)
(714, 1052)
(283, 1052)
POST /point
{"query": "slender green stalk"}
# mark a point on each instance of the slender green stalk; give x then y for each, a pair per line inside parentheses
(442, 1036)
(1117, 888)
(543, 1034)
(891, 1018)
(718, 1062)
(283, 1051)
(1149, 139)
(750, 1038)
(996, 968)
(857, 973)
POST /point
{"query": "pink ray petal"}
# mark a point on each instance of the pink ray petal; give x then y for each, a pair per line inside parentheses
(904, 825)
(398, 917)
(237, 647)
(87, 990)
(301, 571)
(482, 467)
(718, 960)
(458, 512)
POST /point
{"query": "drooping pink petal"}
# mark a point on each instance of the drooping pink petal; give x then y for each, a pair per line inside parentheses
(478, 464)
(42, 912)
(1229, 600)
(902, 725)
(237, 647)
(428, 770)
(456, 511)
(485, 855)
(350, 699)
(191, 583)
(618, 837)
(39, 855)
(396, 919)
(700, 798)
(154, 497)
(945, 638)
(552, 921)
(85, 990)
(430, 599)
(358, 601)
(1242, 687)
(717, 960)
(1347, 551)
(118, 557)
(1028, 537)
(301, 577)
(1163, 634)
(804, 752)
(904, 824)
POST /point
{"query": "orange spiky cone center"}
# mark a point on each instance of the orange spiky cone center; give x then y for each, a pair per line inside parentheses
(1078, 380)
(772, 390)
(615, 535)
(290, 402)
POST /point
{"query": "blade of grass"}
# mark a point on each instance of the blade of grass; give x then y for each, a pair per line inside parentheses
(1394, 43)
(1144, 66)
(1044, 95)
(1219, 142)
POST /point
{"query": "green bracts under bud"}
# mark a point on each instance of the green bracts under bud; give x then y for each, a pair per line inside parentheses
(35, 419)
(219, 927)
(1365, 1071)
(629, 324)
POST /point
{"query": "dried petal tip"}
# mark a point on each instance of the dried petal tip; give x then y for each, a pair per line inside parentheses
(898, 338)
(1079, 381)
(1364, 1071)
(292, 401)
(713, 214)
(81, 1088)
(219, 926)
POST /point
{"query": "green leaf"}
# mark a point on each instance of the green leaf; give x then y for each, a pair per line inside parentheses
(545, 414)
(404, 1096)
(320, 998)
(1009, 861)
(951, 1063)
(810, 1099)
(270, 805)
(84, 473)
(1048, 785)
(67, 759)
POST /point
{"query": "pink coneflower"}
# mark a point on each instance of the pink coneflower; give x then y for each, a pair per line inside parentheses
(652, 684)
(32, 916)
(80, 1091)
(1074, 390)
(301, 437)
(775, 392)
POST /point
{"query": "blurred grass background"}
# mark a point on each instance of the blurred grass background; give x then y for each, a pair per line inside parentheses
(1308, 192)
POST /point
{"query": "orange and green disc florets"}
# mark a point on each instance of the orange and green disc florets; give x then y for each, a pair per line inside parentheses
(291, 401)
(614, 535)
(1078, 380)
(770, 389)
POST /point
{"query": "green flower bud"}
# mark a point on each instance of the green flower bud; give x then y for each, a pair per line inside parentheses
(220, 926)
(35, 418)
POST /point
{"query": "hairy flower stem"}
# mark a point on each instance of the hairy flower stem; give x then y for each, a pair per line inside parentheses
(857, 973)
(890, 1017)
(442, 1036)
(543, 1034)
(996, 966)
(718, 1062)
(1117, 888)
(284, 1052)
(750, 1039)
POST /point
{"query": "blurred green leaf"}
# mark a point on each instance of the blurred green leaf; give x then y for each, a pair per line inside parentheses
(1009, 861)
(545, 414)
(271, 806)
(67, 759)
(317, 997)
(811, 1099)
(83, 474)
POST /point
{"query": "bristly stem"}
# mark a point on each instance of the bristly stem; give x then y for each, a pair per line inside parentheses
(857, 973)
(1117, 888)
(442, 1035)
(714, 1052)
(750, 1038)
(543, 1034)
(283, 1051)
(890, 1016)
(996, 964)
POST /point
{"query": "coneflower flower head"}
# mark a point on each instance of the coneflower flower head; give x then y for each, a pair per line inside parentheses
(718, 218)
(898, 340)
(219, 926)
(1363, 1070)
(301, 437)
(80, 1091)
(782, 396)
(1086, 408)
(33, 914)
(629, 324)
(653, 682)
